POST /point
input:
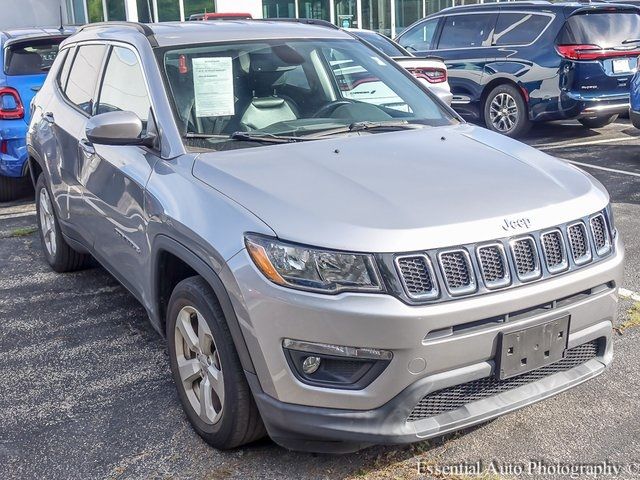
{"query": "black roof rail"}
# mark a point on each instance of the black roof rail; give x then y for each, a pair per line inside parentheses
(140, 27)
(306, 21)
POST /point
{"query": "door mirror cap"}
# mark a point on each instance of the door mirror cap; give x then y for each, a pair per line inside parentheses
(115, 128)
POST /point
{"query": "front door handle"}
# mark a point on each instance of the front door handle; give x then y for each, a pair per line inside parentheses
(48, 117)
(87, 148)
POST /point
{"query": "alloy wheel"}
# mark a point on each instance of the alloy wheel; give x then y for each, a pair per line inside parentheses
(199, 365)
(503, 112)
(47, 223)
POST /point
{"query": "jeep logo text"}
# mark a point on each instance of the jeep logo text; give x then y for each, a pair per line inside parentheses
(516, 224)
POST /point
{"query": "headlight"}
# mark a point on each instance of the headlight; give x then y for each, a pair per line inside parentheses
(313, 269)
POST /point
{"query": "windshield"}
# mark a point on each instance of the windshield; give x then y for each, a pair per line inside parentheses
(31, 58)
(381, 43)
(606, 30)
(296, 89)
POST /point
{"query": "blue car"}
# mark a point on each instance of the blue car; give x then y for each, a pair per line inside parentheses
(634, 110)
(512, 64)
(26, 56)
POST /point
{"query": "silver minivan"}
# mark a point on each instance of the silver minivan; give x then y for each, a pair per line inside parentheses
(333, 272)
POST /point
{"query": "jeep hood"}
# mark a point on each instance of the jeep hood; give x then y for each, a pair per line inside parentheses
(402, 191)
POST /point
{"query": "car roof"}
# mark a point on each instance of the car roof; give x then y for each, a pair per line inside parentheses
(542, 5)
(166, 34)
(38, 32)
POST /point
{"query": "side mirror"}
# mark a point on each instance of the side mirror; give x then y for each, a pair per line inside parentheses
(115, 128)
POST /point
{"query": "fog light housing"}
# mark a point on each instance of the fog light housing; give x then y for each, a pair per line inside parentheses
(311, 365)
(335, 366)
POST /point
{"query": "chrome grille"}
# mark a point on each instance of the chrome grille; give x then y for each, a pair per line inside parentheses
(452, 398)
(579, 243)
(525, 256)
(554, 251)
(457, 271)
(473, 269)
(494, 266)
(600, 234)
(417, 276)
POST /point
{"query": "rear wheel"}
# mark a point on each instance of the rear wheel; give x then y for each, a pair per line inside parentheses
(57, 251)
(506, 112)
(597, 122)
(206, 368)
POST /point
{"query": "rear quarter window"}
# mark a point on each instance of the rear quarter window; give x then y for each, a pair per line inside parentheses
(519, 28)
(605, 29)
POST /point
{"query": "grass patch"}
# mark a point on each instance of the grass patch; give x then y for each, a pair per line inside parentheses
(21, 232)
(632, 320)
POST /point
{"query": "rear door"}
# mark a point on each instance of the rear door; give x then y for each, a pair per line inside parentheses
(600, 49)
(65, 116)
(465, 44)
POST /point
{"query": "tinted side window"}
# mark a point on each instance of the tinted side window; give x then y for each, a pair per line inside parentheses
(83, 77)
(467, 31)
(420, 37)
(519, 28)
(124, 87)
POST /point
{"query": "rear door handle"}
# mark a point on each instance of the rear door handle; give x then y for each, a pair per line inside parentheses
(48, 117)
(87, 148)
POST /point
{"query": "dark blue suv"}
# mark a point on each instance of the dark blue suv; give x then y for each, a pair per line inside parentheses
(25, 55)
(511, 64)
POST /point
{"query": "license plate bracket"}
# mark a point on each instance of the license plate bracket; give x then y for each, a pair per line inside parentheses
(528, 349)
(621, 65)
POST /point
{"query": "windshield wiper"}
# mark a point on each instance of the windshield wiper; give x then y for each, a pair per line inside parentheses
(264, 137)
(202, 135)
(365, 126)
(630, 40)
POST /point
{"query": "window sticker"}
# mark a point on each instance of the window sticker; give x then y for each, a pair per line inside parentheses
(213, 86)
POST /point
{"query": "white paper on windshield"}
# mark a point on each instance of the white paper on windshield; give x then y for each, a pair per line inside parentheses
(213, 86)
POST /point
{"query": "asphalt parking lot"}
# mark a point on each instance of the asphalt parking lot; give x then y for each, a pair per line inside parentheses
(87, 393)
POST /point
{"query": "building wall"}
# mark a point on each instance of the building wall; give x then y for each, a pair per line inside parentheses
(389, 17)
(30, 13)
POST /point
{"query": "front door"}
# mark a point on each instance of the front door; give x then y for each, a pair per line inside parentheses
(115, 177)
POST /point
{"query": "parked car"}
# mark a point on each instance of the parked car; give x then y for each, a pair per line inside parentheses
(330, 271)
(26, 56)
(431, 71)
(511, 64)
(634, 108)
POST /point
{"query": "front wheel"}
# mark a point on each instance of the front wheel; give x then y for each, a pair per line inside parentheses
(206, 368)
(506, 112)
(598, 122)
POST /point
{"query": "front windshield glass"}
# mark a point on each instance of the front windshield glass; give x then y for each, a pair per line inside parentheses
(293, 89)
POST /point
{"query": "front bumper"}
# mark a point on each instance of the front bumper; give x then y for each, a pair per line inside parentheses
(421, 363)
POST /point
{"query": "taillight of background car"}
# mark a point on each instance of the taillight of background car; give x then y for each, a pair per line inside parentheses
(430, 74)
(11, 107)
(592, 52)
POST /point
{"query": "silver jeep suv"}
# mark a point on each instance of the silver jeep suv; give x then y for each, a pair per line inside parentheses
(336, 259)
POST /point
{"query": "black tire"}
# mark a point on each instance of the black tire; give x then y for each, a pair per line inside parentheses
(635, 118)
(240, 421)
(62, 258)
(12, 188)
(597, 122)
(517, 123)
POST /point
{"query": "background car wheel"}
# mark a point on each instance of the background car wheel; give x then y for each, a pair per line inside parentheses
(206, 368)
(13, 188)
(506, 112)
(58, 253)
(598, 122)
